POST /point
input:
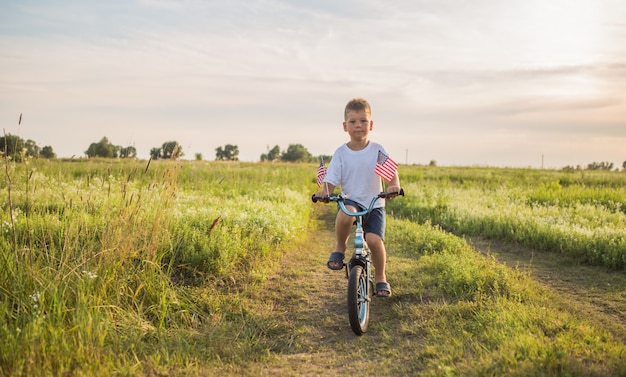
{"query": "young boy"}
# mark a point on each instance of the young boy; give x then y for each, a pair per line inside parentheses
(353, 168)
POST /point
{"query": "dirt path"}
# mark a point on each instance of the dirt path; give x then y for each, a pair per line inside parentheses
(316, 311)
(596, 291)
(309, 330)
(309, 305)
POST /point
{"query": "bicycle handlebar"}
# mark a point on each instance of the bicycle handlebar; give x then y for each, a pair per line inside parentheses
(340, 198)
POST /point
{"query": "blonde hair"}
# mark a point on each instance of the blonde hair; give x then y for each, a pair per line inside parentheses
(357, 104)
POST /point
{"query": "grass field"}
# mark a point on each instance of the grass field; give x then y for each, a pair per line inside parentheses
(580, 213)
(131, 267)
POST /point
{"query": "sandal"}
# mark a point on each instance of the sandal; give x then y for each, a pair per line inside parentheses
(335, 261)
(383, 289)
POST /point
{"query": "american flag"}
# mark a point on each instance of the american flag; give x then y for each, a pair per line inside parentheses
(386, 167)
(321, 172)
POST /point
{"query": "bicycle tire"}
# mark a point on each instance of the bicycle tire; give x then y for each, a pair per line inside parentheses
(359, 299)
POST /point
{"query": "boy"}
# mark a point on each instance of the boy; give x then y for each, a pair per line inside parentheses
(353, 168)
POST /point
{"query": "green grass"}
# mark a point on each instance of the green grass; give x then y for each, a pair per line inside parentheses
(103, 261)
(577, 213)
(476, 317)
(130, 267)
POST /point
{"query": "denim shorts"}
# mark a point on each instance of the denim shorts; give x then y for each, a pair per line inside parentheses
(373, 222)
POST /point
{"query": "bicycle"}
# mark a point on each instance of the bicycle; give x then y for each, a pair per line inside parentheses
(358, 269)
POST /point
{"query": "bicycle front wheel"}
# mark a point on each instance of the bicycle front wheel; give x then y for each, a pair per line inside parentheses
(359, 298)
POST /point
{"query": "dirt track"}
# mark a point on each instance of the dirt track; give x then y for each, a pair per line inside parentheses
(313, 337)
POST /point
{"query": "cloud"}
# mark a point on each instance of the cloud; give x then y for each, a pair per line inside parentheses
(164, 4)
(442, 76)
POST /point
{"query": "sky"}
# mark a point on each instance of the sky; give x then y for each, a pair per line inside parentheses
(503, 83)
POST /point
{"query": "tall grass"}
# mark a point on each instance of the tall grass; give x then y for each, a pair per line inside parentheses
(125, 267)
(465, 314)
(578, 213)
(102, 260)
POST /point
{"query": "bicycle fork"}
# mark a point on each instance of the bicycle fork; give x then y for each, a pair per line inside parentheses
(361, 257)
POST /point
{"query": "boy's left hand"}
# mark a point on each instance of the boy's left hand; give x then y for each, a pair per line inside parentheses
(395, 189)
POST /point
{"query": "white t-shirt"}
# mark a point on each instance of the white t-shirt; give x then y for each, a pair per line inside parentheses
(354, 172)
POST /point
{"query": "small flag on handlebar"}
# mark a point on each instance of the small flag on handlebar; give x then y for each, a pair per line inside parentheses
(385, 167)
(321, 172)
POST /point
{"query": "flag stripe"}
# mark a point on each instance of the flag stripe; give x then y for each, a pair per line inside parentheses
(386, 167)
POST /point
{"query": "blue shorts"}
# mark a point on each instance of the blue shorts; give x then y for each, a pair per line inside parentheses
(373, 222)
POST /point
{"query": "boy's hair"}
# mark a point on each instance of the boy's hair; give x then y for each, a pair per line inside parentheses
(357, 104)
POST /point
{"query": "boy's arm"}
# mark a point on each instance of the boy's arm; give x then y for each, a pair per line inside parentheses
(394, 184)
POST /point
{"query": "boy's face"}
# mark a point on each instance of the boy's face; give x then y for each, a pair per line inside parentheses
(358, 125)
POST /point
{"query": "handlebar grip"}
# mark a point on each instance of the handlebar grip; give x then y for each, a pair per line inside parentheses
(323, 199)
(391, 194)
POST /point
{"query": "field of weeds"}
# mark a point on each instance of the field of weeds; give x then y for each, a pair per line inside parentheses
(162, 267)
(107, 263)
(578, 213)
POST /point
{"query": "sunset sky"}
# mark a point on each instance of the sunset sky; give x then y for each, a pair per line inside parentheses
(484, 82)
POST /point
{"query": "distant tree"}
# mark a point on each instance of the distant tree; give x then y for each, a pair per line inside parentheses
(272, 154)
(600, 166)
(296, 153)
(171, 150)
(47, 152)
(327, 158)
(32, 149)
(432, 163)
(624, 165)
(198, 156)
(155, 153)
(16, 148)
(228, 153)
(128, 152)
(12, 146)
(103, 148)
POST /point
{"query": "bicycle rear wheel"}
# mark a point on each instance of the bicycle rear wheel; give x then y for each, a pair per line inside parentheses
(359, 299)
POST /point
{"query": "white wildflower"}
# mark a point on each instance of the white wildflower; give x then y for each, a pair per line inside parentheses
(90, 274)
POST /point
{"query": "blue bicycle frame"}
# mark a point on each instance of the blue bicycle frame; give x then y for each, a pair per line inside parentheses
(358, 270)
(360, 246)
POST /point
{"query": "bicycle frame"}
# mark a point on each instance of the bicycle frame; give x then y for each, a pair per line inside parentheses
(361, 251)
(358, 270)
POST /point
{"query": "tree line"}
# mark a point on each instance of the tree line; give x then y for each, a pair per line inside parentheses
(173, 150)
(293, 153)
(604, 165)
(18, 149)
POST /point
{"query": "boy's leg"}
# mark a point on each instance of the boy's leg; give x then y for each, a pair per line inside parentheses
(375, 231)
(379, 256)
(343, 227)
